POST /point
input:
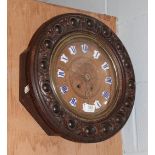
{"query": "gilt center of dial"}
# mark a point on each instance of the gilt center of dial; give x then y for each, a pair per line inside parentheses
(87, 77)
(84, 78)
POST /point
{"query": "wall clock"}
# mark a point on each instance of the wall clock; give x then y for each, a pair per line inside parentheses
(76, 79)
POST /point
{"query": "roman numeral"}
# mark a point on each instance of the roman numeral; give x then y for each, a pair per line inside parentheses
(64, 58)
(72, 50)
(108, 80)
(105, 66)
(84, 48)
(97, 104)
(96, 54)
(73, 102)
(64, 89)
(106, 94)
(60, 73)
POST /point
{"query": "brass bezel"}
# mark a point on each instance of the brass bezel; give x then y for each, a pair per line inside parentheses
(112, 102)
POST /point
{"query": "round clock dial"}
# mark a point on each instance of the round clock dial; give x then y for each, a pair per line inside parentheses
(80, 77)
(83, 76)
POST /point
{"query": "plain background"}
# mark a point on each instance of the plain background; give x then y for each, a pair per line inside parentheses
(133, 31)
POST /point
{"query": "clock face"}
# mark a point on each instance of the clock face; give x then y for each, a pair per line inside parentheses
(83, 76)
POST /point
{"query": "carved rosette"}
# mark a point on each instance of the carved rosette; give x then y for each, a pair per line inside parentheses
(57, 117)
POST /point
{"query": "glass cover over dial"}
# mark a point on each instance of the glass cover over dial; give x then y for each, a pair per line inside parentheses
(83, 76)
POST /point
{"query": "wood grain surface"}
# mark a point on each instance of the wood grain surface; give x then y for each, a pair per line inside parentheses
(25, 136)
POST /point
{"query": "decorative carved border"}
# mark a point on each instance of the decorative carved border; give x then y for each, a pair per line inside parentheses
(55, 115)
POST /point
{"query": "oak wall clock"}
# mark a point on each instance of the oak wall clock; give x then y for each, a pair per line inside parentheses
(76, 79)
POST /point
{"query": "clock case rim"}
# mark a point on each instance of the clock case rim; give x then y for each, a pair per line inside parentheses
(31, 98)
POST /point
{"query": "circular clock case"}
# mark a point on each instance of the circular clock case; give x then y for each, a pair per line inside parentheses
(80, 79)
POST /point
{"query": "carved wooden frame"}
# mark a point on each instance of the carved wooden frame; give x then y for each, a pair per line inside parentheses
(40, 100)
